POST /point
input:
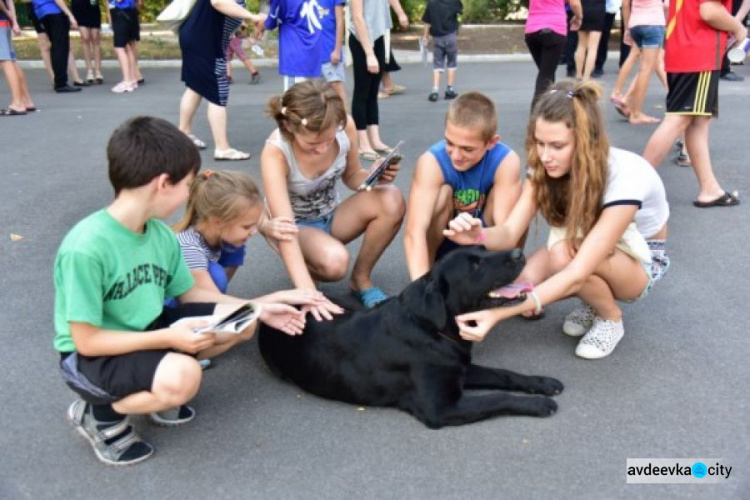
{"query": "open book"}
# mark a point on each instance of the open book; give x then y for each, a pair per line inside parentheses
(234, 322)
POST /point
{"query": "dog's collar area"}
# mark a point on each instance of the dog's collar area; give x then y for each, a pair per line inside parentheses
(448, 337)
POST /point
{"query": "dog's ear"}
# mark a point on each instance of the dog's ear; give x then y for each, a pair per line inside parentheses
(424, 298)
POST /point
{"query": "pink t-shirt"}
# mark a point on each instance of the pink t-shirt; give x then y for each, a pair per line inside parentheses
(647, 13)
(548, 14)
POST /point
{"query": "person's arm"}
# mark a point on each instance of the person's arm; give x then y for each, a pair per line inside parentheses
(466, 230)
(423, 194)
(274, 171)
(577, 10)
(427, 21)
(90, 340)
(353, 174)
(716, 16)
(507, 188)
(232, 9)
(63, 7)
(336, 54)
(10, 11)
(744, 9)
(403, 19)
(626, 11)
(597, 246)
(363, 35)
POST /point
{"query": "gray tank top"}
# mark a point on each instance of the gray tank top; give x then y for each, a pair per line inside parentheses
(313, 199)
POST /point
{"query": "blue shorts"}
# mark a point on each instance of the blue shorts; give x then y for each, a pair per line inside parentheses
(333, 72)
(6, 45)
(648, 37)
(324, 223)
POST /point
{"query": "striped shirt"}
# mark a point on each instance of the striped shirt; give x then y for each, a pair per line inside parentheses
(195, 250)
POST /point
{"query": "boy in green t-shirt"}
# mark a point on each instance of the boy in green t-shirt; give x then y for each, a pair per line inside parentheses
(112, 273)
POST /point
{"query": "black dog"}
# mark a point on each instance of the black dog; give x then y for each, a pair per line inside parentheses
(407, 353)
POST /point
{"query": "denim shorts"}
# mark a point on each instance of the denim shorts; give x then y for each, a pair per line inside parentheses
(648, 37)
(333, 72)
(324, 223)
(657, 268)
(6, 45)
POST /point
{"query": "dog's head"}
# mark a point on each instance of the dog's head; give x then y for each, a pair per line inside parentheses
(467, 279)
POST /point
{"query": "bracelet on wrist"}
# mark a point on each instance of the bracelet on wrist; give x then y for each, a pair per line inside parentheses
(537, 302)
(481, 237)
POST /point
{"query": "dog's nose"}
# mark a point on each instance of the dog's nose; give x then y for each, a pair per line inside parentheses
(516, 254)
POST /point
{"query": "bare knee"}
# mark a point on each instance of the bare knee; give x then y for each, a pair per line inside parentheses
(560, 256)
(177, 379)
(392, 202)
(332, 262)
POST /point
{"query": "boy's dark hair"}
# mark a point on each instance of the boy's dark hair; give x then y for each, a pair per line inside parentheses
(474, 110)
(145, 147)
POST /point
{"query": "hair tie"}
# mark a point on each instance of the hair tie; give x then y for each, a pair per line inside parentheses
(283, 110)
(206, 174)
(569, 93)
(304, 122)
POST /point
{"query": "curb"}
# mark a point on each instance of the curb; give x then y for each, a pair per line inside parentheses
(403, 56)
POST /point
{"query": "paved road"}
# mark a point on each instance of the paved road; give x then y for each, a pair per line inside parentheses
(675, 387)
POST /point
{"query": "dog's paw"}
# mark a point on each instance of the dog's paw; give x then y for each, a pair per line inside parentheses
(547, 385)
(546, 407)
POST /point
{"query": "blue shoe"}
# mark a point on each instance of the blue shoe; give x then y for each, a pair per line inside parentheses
(371, 297)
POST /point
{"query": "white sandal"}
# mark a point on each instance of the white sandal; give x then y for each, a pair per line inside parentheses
(230, 154)
(198, 143)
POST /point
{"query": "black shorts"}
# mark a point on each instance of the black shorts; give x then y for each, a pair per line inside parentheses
(125, 26)
(695, 94)
(87, 13)
(106, 379)
(32, 17)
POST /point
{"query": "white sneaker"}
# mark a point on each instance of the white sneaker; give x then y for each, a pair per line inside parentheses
(122, 87)
(579, 321)
(601, 339)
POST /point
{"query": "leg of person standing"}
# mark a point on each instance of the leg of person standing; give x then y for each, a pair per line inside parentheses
(57, 27)
(545, 47)
(362, 89)
(601, 53)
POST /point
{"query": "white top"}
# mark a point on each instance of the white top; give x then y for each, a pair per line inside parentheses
(633, 181)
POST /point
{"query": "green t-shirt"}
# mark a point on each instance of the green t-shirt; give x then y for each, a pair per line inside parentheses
(113, 278)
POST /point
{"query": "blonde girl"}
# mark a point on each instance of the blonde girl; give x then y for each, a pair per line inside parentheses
(607, 211)
(314, 146)
(224, 209)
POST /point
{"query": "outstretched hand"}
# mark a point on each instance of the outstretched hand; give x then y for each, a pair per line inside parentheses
(283, 317)
(464, 229)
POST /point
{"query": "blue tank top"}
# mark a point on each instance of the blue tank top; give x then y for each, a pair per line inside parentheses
(470, 188)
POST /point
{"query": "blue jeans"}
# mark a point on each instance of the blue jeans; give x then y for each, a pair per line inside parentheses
(648, 37)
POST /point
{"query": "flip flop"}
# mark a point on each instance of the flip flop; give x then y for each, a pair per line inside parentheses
(386, 150)
(230, 154)
(726, 200)
(11, 112)
(371, 296)
(622, 110)
(369, 156)
(32, 109)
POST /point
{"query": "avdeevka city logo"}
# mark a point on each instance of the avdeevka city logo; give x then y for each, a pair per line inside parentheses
(677, 470)
(699, 470)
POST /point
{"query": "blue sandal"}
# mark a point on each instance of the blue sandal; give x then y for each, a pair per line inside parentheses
(371, 296)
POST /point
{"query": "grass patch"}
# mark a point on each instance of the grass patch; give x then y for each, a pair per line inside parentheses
(150, 47)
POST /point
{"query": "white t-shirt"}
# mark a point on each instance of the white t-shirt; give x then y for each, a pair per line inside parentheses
(633, 181)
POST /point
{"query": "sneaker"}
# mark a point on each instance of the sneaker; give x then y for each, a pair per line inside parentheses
(433, 97)
(451, 94)
(122, 87)
(597, 73)
(67, 89)
(601, 339)
(114, 443)
(579, 320)
(255, 78)
(731, 76)
(173, 416)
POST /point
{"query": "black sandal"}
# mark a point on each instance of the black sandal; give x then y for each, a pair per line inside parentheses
(726, 200)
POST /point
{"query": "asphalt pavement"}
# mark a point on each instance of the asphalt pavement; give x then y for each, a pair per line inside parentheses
(676, 387)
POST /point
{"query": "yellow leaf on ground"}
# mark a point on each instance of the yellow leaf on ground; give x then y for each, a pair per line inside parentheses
(15, 237)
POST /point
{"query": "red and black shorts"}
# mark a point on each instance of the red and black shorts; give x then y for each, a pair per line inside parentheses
(695, 94)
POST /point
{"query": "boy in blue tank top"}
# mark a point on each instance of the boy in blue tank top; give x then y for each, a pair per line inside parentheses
(470, 170)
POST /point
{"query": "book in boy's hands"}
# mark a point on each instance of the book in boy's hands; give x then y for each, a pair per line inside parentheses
(377, 170)
(234, 322)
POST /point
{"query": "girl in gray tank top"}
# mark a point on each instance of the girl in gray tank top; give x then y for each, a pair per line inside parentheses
(312, 148)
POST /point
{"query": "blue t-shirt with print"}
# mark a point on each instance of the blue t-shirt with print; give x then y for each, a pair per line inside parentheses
(45, 7)
(122, 4)
(470, 187)
(299, 36)
(327, 11)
